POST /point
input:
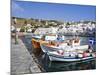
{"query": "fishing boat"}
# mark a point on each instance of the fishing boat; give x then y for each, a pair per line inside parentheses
(37, 39)
(70, 44)
(50, 48)
(67, 51)
(43, 34)
(64, 56)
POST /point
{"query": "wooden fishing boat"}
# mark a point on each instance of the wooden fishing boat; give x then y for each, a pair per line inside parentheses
(69, 53)
(68, 45)
(37, 39)
(49, 48)
(70, 57)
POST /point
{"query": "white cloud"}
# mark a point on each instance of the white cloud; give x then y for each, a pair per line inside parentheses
(16, 7)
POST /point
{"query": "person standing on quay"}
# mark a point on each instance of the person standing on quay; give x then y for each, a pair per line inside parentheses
(16, 35)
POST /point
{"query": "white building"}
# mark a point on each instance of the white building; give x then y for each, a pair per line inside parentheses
(46, 30)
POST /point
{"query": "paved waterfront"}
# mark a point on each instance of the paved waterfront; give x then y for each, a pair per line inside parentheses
(21, 60)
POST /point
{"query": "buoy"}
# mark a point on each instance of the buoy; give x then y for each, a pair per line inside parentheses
(60, 52)
(84, 54)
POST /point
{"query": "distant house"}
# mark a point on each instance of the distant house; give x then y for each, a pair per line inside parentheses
(29, 25)
(46, 30)
(29, 30)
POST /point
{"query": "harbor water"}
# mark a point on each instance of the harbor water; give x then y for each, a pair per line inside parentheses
(49, 66)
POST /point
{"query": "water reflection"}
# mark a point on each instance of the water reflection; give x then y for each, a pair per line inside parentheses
(68, 66)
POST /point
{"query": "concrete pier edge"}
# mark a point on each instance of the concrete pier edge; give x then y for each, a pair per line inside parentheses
(21, 61)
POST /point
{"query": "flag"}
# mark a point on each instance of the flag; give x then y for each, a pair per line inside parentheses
(92, 41)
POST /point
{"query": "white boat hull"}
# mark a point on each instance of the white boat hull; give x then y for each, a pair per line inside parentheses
(49, 49)
(62, 59)
(54, 56)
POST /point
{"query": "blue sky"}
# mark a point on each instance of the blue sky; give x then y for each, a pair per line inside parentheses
(63, 12)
